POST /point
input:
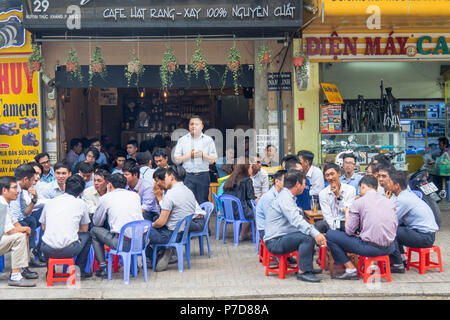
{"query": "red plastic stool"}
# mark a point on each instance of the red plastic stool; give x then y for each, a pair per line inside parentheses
(424, 262)
(322, 256)
(282, 268)
(116, 262)
(52, 276)
(262, 249)
(364, 267)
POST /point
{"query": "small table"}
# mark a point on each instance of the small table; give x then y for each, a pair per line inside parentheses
(313, 216)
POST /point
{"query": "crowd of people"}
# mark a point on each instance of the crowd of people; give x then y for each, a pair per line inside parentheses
(87, 199)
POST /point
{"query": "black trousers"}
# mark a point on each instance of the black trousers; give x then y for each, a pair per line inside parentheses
(198, 183)
(410, 238)
(79, 248)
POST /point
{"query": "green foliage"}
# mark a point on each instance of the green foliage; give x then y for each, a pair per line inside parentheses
(168, 68)
(97, 66)
(233, 65)
(134, 68)
(263, 53)
(72, 58)
(199, 63)
(36, 57)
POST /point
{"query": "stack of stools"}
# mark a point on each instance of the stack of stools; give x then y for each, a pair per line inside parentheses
(424, 263)
(282, 267)
(116, 262)
(52, 276)
(364, 267)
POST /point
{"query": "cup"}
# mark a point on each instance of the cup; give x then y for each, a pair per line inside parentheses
(314, 205)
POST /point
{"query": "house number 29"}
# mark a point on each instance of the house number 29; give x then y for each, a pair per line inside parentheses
(40, 6)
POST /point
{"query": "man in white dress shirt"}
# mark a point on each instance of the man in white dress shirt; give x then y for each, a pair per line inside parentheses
(313, 173)
(260, 178)
(196, 151)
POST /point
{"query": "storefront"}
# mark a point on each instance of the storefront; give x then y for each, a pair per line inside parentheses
(391, 79)
(111, 105)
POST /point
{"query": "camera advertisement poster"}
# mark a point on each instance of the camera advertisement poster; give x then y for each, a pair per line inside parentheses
(20, 125)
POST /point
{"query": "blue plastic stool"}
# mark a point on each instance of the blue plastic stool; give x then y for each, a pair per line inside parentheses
(2, 263)
(208, 207)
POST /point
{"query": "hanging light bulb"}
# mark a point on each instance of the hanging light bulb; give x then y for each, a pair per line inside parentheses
(142, 93)
(165, 94)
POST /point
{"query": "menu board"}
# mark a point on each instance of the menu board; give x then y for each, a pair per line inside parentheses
(331, 119)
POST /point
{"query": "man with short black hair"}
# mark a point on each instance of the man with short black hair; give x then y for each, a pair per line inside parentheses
(95, 144)
(57, 186)
(303, 200)
(313, 173)
(260, 178)
(374, 215)
(286, 230)
(144, 160)
(384, 173)
(334, 199)
(132, 149)
(65, 221)
(117, 207)
(143, 188)
(350, 177)
(13, 237)
(48, 174)
(91, 155)
(76, 148)
(86, 170)
(92, 195)
(161, 158)
(417, 224)
(196, 151)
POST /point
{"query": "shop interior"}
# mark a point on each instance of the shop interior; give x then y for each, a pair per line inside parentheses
(405, 120)
(122, 114)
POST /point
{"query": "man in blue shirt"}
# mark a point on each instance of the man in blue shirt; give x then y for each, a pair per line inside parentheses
(266, 201)
(416, 223)
(350, 177)
(303, 200)
(48, 174)
(57, 186)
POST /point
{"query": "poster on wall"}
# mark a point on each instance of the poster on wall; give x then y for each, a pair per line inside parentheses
(20, 126)
(331, 119)
(107, 96)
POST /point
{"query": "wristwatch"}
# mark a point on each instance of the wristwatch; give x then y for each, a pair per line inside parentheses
(339, 198)
(34, 201)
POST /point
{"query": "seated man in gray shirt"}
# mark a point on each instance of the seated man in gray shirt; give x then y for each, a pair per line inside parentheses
(120, 207)
(286, 230)
(178, 202)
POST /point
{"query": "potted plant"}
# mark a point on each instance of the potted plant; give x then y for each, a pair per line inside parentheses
(263, 58)
(35, 60)
(134, 68)
(168, 67)
(97, 65)
(299, 59)
(199, 63)
(73, 66)
(302, 65)
(233, 64)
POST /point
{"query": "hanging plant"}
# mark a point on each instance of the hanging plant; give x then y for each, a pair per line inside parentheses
(302, 70)
(233, 64)
(263, 58)
(168, 67)
(97, 67)
(73, 66)
(35, 60)
(199, 63)
(134, 68)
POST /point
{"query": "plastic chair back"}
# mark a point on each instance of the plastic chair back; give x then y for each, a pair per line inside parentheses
(227, 201)
(187, 222)
(208, 208)
(418, 193)
(219, 209)
(138, 228)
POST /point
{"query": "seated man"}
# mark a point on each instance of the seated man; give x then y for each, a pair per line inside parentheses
(384, 179)
(13, 237)
(119, 162)
(91, 195)
(65, 221)
(334, 199)
(286, 230)
(266, 201)
(118, 207)
(313, 173)
(144, 160)
(303, 200)
(375, 216)
(132, 149)
(417, 224)
(57, 186)
(76, 148)
(96, 144)
(86, 171)
(178, 202)
(350, 176)
(48, 173)
(259, 177)
(25, 176)
(143, 188)
(91, 155)
(373, 169)
(161, 158)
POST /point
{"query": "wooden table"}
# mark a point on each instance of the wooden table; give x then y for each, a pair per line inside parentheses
(313, 216)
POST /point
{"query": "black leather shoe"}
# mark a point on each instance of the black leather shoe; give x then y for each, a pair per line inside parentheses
(102, 272)
(348, 276)
(398, 268)
(308, 277)
(28, 274)
(316, 271)
(85, 275)
(37, 264)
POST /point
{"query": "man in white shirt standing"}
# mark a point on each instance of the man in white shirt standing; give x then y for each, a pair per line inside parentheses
(13, 237)
(65, 220)
(259, 177)
(119, 207)
(313, 173)
(334, 199)
(196, 151)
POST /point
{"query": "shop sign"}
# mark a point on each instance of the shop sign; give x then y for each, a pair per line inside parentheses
(159, 15)
(20, 138)
(14, 39)
(391, 45)
(331, 120)
(277, 81)
(332, 93)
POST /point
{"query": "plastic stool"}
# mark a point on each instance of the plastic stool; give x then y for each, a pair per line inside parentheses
(262, 249)
(365, 267)
(116, 262)
(322, 257)
(424, 262)
(282, 268)
(52, 276)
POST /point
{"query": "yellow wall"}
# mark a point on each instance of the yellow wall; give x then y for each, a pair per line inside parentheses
(307, 136)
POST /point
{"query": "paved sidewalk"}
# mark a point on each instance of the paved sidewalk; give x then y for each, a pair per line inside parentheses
(235, 273)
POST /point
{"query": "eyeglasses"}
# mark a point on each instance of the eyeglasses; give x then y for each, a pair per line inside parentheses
(45, 162)
(97, 145)
(352, 163)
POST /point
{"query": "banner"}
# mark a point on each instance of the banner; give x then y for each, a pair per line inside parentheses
(332, 93)
(20, 137)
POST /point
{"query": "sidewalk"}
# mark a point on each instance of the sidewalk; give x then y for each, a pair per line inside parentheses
(235, 273)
